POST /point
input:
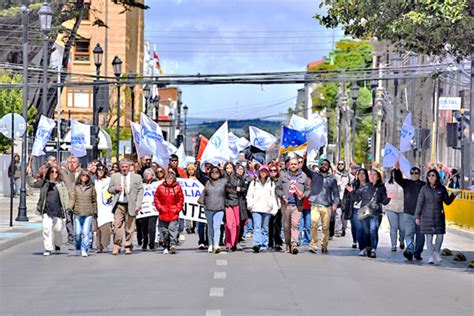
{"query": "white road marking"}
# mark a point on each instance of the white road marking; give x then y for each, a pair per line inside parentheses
(216, 292)
(220, 275)
(221, 262)
(213, 312)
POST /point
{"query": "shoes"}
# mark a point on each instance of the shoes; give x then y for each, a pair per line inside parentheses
(343, 234)
(249, 235)
(294, 250)
(165, 252)
(313, 249)
(330, 238)
(402, 245)
(338, 235)
(354, 245)
(210, 249)
(57, 249)
(373, 254)
(278, 248)
(78, 253)
(239, 247)
(263, 249)
(84, 253)
(128, 251)
(256, 248)
(430, 260)
(408, 255)
(182, 238)
(217, 249)
(363, 253)
(144, 248)
(324, 251)
(418, 257)
(105, 249)
(173, 250)
(201, 247)
(394, 248)
(47, 253)
(437, 257)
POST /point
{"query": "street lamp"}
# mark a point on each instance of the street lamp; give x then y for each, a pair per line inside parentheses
(156, 105)
(171, 134)
(185, 111)
(373, 87)
(45, 16)
(131, 85)
(117, 66)
(98, 54)
(146, 93)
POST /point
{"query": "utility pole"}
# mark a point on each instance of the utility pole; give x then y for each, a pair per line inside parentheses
(470, 138)
(434, 137)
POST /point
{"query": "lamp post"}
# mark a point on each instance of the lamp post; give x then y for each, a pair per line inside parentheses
(22, 204)
(117, 65)
(98, 54)
(132, 94)
(373, 86)
(354, 95)
(45, 16)
(171, 134)
(185, 111)
(146, 93)
(156, 105)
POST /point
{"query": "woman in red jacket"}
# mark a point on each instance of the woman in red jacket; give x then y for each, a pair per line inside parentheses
(169, 201)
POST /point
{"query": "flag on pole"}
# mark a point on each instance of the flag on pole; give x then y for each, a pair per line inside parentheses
(152, 141)
(406, 134)
(202, 145)
(261, 139)
(316, 131)
(390, 156)
(78, 138)
(156, 59)
(217, 149)
(43, 133)
(136, 133)
(292, 140)
(181, 153)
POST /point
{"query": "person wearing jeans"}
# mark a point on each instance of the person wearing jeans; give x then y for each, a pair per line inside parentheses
(234, 184)
(305, 227)
(394, 211)
(262, 202)
(84, 207)
(213, 198)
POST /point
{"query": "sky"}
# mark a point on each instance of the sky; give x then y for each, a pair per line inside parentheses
(237, 36)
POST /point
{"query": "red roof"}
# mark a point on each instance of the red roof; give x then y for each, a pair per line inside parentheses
(315, 63)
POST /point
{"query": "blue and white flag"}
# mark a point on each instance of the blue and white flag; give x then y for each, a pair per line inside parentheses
(316, 131)
(181, 153)
(292, 140)
(261, 139)
(217, 149)
(136, 134)
(406, 134)
(78, 138)
(43, 133)
(390, 156)
(152, 142)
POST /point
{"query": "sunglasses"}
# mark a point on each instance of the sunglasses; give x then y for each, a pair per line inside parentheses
(432, 175)
(174, 160)
(147, 159)
(273, 170)
(159, 171)
(84, 175)
(414, 172)
(54, 171)
(340, 164)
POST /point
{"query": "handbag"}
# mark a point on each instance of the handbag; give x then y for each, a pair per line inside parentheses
(367, 210)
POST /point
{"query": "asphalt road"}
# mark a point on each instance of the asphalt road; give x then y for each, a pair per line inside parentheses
(242, 283)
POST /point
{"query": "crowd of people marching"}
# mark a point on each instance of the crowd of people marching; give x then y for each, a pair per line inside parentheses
(282, 206)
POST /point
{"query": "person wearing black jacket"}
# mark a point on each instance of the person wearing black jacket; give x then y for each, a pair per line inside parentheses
(233, 186)
(414, 239)
(429, 213)
(202, 176)
(244, 213)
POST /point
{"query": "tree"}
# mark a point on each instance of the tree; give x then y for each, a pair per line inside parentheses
(11, 100)
(433, 27)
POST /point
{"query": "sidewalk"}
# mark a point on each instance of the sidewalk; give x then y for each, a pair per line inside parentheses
(21, 231)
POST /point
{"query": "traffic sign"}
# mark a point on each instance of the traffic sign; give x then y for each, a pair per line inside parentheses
(19, 125)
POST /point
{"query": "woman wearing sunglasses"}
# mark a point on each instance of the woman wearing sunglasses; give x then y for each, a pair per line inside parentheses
(429, 213)
(105, 217)
(84, 206)
(52, 203)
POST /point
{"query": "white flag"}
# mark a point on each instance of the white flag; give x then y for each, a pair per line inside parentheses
(390, 156)
(316, 131)
(171, 148)
(43, 133)
(233, 146)
(136, 134)
(406, 134)
(217, 149)
(152, 141)
(181, 153)
(261, 139)
(242, 143)
(78, 138)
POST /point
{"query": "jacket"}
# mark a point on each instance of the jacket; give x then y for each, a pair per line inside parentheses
(231, 196)
(324, 190)
(261, 197)
(83, 200)
(14, 170)
(169, 201)
(43, 186)
(396, 202)
(430, 211)
(343, 179)
(302, 184)
(135, 194)
(244, 212)
(214, 195)
(367, 192)
(411, 191)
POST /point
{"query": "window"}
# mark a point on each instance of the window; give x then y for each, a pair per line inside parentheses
(86, 12)
(79, 98)
(82, 50)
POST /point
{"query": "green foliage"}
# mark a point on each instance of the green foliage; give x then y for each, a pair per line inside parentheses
(433, 27)
(11, 100)
(125, 134)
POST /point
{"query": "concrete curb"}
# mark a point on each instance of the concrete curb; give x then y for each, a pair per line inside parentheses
(4, 245)
(460, 232)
